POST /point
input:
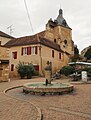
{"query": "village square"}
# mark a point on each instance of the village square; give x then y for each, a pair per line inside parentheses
(44, 76)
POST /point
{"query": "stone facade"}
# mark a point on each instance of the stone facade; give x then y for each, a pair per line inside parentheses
(63, 37)
(4, 56)
(4, 64)
(37, 60)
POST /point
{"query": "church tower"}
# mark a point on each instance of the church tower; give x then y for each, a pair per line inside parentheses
(59, 31)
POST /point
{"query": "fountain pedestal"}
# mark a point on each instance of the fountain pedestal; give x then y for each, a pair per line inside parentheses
(48, 72)
(48, 76)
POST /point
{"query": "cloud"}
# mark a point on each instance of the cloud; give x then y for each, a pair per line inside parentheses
(77, 14)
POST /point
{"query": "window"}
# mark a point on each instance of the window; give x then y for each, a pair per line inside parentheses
(65, 41)
(53, 53)
(14, 55)
(29, 50)
(12, 67)
(34, 50)
(59, 55)
(26, 51)
(1, 72)
(36, 67)
(55, 40)
(64, 46)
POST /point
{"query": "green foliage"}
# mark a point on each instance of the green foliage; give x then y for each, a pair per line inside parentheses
(67, 70)
(25, 70)
(89, 70)
(75, 58)
(76, 50)
(88, 54)
(76, 54)
(36, 73)
(84, 69)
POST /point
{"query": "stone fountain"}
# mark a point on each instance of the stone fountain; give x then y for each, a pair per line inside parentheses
(48, 87)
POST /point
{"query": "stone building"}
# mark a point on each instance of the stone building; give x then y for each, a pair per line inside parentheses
(53, 44)
(4, 56)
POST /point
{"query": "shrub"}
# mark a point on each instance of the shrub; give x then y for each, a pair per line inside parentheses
(67, 70)
(36, 73)
(25, 70)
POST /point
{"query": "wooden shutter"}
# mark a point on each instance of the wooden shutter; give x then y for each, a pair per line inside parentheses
(15, 55)
(37, 67)
(22, 51)
(12, 67)
(35, 49)
(28, 50)
(53, 53)
(59, 55)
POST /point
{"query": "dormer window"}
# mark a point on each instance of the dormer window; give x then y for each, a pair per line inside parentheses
(55, 40)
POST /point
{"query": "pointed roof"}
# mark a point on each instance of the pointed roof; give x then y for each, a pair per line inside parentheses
(60, 20)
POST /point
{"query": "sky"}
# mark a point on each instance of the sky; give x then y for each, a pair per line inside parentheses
(76, 12)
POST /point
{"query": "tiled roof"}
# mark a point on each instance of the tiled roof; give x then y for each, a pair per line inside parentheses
(2, 34)
(41, 34)
(22, 41)
(50, 44)
(35, 39)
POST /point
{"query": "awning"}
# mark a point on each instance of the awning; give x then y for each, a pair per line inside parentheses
(80, 63)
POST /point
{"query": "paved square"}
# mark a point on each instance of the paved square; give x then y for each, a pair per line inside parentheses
(73, 106)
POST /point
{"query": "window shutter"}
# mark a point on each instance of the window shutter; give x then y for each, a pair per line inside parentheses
(37, 67)
(59, 55)
(35, 49)
(28, 50)
(15, 55)
(22, 51)
(12, 67)
(53, 53)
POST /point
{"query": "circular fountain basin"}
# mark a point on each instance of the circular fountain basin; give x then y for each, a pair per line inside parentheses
(51, 89)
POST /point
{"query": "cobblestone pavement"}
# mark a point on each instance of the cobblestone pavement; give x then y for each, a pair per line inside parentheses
(73, 106)
(15, 109)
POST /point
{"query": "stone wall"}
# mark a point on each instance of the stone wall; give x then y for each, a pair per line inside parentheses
(4, 53)
(61, 34)
(4, 67)
(4, 72)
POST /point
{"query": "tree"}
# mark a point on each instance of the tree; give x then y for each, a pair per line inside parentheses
(67, 70)
(76, 54)
(76, 50)
(88, 54)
